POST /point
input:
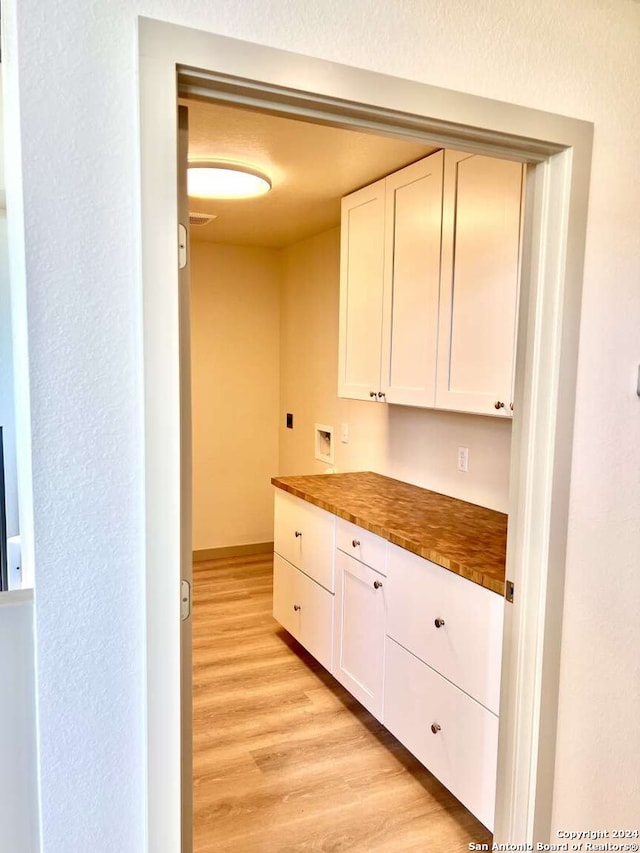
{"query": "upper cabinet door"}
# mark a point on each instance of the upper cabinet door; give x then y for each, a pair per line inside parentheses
(412, 282)
(361, 284)
(479, 283)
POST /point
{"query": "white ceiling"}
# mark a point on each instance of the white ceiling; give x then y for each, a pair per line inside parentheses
(311, 166)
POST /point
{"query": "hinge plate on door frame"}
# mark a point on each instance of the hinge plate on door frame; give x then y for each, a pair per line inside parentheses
(509, 591)
(185, 600)
(182, 246)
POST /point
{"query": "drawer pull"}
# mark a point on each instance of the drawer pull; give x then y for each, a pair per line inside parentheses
(498, 404)
(296, 607)
(355, 542)
(298, 534)
(377, 584)
(439, 622)
(435, 728)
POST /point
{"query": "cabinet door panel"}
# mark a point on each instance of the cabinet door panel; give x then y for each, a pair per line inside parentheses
(359, 633)
(467, 647)
(479, 284)
(361, 282)
(304, 535)
(412, 282)
(463, 752)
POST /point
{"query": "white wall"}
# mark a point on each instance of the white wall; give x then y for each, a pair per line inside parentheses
(76, 82)
(235, 342)
(419, 446)
(7, 417)
(18, 770)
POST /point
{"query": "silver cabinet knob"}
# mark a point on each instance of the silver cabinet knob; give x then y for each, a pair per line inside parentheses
(377, 584)
(298, 533)
(296, 607)
(372, 393)
(435, 728)
(355, 542)
(381, 394)
(498, 404)
(439, 622)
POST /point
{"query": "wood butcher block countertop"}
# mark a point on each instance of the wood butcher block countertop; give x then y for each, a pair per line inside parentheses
(461, 537)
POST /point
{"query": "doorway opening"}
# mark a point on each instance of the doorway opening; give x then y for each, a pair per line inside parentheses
(558, 151)
(274, 736)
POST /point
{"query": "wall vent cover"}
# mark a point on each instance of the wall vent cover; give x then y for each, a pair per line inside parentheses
(201, 218)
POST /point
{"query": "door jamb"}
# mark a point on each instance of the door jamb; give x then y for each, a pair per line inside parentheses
(559, 150)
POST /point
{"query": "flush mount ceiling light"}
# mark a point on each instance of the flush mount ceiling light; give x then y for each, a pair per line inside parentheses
(225, 180)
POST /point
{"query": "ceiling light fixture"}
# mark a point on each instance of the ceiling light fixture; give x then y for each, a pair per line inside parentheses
(224, 181)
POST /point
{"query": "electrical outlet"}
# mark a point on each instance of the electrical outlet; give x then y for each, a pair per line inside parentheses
(463, 459)
(344, 433)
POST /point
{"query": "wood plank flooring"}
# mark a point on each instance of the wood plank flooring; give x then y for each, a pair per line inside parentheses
(284, 758)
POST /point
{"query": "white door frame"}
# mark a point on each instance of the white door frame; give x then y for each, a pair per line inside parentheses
(560, 150)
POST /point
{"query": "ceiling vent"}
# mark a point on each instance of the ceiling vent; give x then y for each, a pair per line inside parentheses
(201, 218)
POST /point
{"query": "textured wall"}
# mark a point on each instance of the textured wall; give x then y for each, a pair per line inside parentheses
(77, 65)
(235, 392)
(18, 765)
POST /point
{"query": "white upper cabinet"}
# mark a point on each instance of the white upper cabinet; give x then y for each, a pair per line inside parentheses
(429, 285)
(361, 286)
(479, 283)
(411, 282)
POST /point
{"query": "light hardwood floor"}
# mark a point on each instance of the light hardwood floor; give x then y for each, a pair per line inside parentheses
(284, 758)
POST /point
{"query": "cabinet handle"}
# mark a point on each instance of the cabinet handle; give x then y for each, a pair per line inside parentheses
(381, 394)
(296, 607)
(298, 534)
(372, 393)
(439, 622)
(511, 406)
(355, 542)
(498, 404)
(435, 728)
(377, 584)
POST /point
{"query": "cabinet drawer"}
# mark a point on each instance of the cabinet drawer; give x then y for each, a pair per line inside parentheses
(305, 609)
(364, 546)
(462, 753)
(467, 647)
(305, 535)
(359, 632)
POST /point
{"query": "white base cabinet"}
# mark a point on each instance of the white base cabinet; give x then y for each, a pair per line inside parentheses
(305, 609)
(304, 535)
(418, 646)
(359, 631)
(450, 733)
(448, 622)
